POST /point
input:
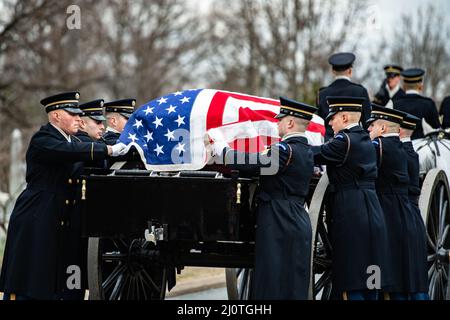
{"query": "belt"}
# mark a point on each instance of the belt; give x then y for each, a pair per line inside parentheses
(337, 187)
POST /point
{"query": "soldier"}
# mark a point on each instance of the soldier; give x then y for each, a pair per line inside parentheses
(117, 114)
(283, 233)
(357, 228)
(91, 130)
(342, 68)
(445, 112)
(418, 243)
(91, 124)
(390, 89)
(414, 103)
(392, 189)
(33, 260)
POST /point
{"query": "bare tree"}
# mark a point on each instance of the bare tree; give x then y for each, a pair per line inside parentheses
(268, 47)
(422, 41)
(150, 47)
(137, 48)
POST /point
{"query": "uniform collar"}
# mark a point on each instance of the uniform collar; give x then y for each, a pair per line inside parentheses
(350, 126)
(342, 78)
(65, 135)
(406, 139)
(413, 92)
(109, 129)
(293, 135)
(388, 135)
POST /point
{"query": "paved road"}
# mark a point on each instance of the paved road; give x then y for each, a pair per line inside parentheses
(211, 294)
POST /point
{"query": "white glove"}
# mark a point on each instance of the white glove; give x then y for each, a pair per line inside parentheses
(118, 149)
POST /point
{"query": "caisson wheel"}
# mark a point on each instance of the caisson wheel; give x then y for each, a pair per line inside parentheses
(435, 210)
(118, 270)
(321, 285)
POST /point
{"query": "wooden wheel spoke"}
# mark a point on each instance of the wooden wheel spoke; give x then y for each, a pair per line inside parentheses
(431, 243)
(442, 215)
(113, 275)
(326, 294)
(152, 283)
(324, 237)
(114, 256)
(431, 271)
(443, 239)
(242, 284)
(142, 285)
(320, 284)
(117, 288)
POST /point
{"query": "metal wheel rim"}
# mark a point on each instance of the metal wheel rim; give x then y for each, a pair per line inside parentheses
(239, 283)
(321, 273)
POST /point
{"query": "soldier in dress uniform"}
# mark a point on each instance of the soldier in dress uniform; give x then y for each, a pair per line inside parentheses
(418, 244)
(283, 233)
(117, 114)
(413, 102)
(392, 189)
(91, 130)
(390, 89)
(91, 124)
(33, 264)
(445, 112)
(342, 68)
(357, 228)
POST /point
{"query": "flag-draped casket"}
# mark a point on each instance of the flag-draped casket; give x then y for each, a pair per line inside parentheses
(169, 131)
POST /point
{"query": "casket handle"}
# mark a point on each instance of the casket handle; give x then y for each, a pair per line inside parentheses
(238, 194)
(83, 190)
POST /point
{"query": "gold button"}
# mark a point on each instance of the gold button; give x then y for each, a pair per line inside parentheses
(67, 202)
(78, 181)
(70, 181)
(62, 223)
(74, 201)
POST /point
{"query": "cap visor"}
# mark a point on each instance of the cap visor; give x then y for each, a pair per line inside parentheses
(370, 120)
(280, 115)
(330, 115)
(98, 118)
(73, 110)
(126, 115)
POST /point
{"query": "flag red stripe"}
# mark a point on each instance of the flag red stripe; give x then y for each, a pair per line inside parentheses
(315, 127)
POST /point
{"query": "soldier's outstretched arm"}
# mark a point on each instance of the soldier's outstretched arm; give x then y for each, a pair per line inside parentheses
(46, 148)
(276, 157)
(332, 152)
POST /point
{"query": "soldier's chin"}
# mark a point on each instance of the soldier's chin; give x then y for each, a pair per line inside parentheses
(75, 130)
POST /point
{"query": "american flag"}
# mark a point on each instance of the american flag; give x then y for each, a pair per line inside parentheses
(169, 132)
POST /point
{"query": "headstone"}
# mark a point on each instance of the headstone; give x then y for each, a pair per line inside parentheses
(16, 169)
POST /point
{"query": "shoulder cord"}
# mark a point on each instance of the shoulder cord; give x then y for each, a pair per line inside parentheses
(348, 150)
(381, 151)
(289, 160)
